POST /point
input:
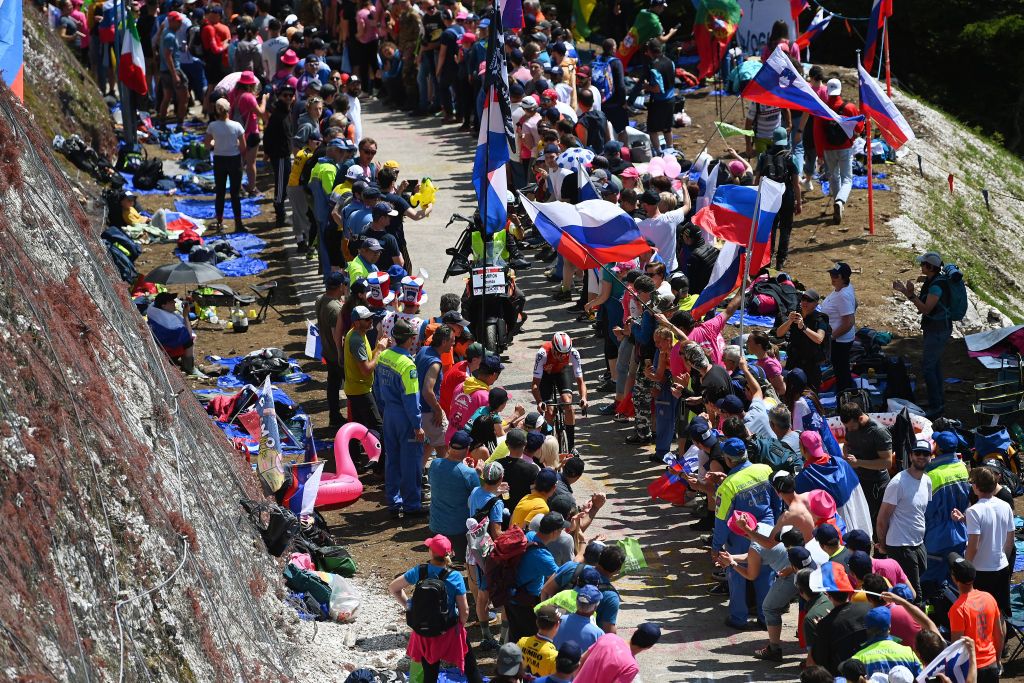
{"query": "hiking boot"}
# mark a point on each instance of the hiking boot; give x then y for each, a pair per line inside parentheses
(837, 213)
(562, 295)
(769, 653)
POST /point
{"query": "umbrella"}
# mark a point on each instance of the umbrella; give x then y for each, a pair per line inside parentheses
(575, 158)
(183, 273)
(229, 82)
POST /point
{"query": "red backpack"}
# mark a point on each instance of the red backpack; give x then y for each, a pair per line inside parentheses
(503, 564)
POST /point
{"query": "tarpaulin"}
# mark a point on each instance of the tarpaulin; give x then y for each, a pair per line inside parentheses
(860, 182)
(246, 244)
(204, 209)
(753, 320)
(242, 266)
(229, 381)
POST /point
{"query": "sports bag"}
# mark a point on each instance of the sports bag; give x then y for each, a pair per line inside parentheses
(277, 525)
(429, 611)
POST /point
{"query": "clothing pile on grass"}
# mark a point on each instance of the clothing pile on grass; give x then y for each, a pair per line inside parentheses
(254, 367)
(229, 412)
(232, 254)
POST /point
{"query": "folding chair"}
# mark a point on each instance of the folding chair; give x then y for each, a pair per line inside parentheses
(223, 295)
(1015, 624)
(265, 297)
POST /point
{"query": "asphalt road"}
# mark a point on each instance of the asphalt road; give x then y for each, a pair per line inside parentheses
(673, 591)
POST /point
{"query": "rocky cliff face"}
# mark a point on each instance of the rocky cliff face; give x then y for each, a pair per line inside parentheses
(124, 555)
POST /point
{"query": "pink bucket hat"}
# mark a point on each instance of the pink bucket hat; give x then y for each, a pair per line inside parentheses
(821, 504)
(733, 522)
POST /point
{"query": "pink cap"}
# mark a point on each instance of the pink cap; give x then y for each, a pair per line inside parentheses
(467, 38)
(630, 172)
(737, 167)
(462, 16)
(439, 546)
(733, 522)
(810, 443)
(821, 504)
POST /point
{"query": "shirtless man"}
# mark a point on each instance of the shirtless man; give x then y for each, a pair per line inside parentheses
(797, 514)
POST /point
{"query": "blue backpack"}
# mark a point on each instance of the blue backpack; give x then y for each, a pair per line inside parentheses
(954, 298)
(601, 76)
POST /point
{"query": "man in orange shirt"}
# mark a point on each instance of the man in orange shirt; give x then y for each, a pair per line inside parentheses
(975, 614)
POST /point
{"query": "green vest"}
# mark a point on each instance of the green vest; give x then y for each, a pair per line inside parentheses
(498, 246)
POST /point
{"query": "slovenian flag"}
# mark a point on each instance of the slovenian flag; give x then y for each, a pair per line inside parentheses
(131, 69)
(830, 577)
(877, 106)
(493, 143)
(818, 24)
(777, 84)
(880, 11)
(954, 662)
(726, 276)
(589, 234)
(836, 476)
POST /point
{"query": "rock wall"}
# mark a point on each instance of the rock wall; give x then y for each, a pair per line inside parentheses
(124, 555)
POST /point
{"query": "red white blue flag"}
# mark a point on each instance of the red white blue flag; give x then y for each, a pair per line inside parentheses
(880, 11)
(817, 26)
(777, 84)
(831, 577)
(301, 495)
(589, 234)
(496, 135)
(877, 106)
(726, 276)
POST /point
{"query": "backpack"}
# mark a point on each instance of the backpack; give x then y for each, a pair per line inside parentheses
(601, 76)
(334, 559)
(429, 612)
(254, 369)
(125, 267)
(479, 543)
(509, 549)
(575, 581)
(119, 237)
(149, 173)
(775, 453)
(777, 167)
(195, 42)
(277, 525)
(835, 135)
(954, 293)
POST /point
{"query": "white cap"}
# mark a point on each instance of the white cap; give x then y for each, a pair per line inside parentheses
(833, 87)
(528, 102)
(354, 173)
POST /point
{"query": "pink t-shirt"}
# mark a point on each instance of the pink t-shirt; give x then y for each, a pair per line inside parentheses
(890, 570)
(903, 625)
(463, 407)
(248, 115)
(709, 336)
(771, 366)
(609, 660)
(366, 26)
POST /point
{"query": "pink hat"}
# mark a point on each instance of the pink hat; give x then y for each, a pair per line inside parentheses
(810, 443)
(737, 167)
(624, 266)
(247, 78)
(630, 172)
(733, 522)
(439, 546)
(411, 291)
(289, 58)
(821, 504)
(462, 16)
(467, 38)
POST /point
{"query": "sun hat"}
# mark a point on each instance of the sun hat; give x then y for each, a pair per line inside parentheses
(248, 78)
(734, 522)
(821, 504)
(411, 290)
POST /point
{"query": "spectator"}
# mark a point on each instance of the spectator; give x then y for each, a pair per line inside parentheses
(566, 664)
(535, 567)
(817, 605)
(578, 628)
(173, 331)
(540, 651)
(535, 503)
(430, 375)
(950, 491)
(227, 138)
(836, 477)
(880, 654)
(827, 536)
(868, 449)
(508, 664)
(660, 227)
(841, 307)
(563, 547)
(861, 564)
(805, 331)
(660, 86)
(608, 564)
(612, 659)
(520, 470)
(835, 147)
(473, 393)
(901, 518)
(906, 618)
(360, 366)
(781, 421)
(976, 614)
(990, 539)
(328, 313)
(764, 120)
(485, 502)
(451, 483)
(841, 633)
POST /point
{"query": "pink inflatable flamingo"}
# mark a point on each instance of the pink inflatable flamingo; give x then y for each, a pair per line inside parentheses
(344, 488)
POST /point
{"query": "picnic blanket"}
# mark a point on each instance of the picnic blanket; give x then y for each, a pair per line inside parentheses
(230, 381)
(204, 208)
(176, 142)
(296, 424)
(753, 320)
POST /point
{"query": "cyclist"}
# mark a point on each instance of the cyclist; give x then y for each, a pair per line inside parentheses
(557, 364)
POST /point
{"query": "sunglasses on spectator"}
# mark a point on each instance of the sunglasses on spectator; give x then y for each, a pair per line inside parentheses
(371, 152)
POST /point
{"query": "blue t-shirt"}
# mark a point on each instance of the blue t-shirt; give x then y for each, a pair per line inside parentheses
(608, 608)
(455, 585)
(425, 358)
(577, 629)
(168, 42)
(450, 486)
(479, 497)
(534, 569)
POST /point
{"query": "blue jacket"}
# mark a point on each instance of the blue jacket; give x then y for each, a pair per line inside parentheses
(747, 488)
(396, 387)
(425, 358)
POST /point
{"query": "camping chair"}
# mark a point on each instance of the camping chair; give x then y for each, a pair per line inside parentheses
(995, 401)
(223, 295)
(1015, 624)
(265, 297)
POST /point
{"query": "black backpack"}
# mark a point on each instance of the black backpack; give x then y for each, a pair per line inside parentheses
(775, 453)
(835, 135)
(195, 42)
(149, 173)
(429, 612)
(255, 369)
(277, 525)
(778, 167)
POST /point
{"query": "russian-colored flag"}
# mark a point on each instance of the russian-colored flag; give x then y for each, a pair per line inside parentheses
(585, 186)
(880, 11)
(493, 143)
(729, 212)
(769, 201)
(796, 7)
(589, 234)
(831, 577)
(818, 24)
(726, 276)
(877, 106)
(707, 183)
(836, 476)
(511, 12)
(777, 84)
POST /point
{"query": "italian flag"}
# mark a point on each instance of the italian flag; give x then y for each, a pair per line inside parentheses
(132, 67)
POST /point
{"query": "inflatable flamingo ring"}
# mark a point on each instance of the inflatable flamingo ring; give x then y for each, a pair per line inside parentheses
(344, 488)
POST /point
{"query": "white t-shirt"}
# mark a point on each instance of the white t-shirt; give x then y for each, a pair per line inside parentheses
(838, 304)
(766, 119)
(355, 115)
(225, 137)
(662, 231)
(910, 496)
(992, 519)
(270, 51)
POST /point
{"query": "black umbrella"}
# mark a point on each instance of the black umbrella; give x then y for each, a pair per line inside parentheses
(184, 273)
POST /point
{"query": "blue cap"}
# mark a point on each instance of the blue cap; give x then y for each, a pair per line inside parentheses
(646, 635)
(860, 563)
(857, 539)
(484, 23)
(701, 432)
(381, 209)
(492, 362)
(826, 534)
(552, 149)
(546, 480)
(534, 440)
(336, 143)
(460, 440)
(397, 272)
(589, 577)
(730, 404)
(568, 656)
(734, 448)
(587, 595)
(878, 619)
(948, 442)
(800, 557)
(903, 590)
(334, 279)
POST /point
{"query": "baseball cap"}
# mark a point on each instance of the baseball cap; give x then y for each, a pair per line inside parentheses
(454, 318)
(354, 173)
(734, 448)
(337, 143)
(780, 136)
(811, 442)
(730, 404)
(370, 243)
(515, 438)
(783, 482)
(857, 539)
(402, 330)
(700, 431)
(484, 23)
(175, 16)
(334, 279)
(899, 674)
(922, 446)
(361, 313)
(546, 480)
(549, 94)
(493, 472)
(551, 149)
(947, 442)
(811, 295)
(314, 84)
(646, 635)
(840, 268)
(359, 286)
(903, 590)
(439, 545)
(826, 534)
(163, 297)
(534, 441)
(460, 441)
(528, 102)
(589, 577)
(860, 563)
(587, 595)
(552, 521)
(961, 568)
(547, 615)
(568, 657)
(533, 421)
(509, 660)
(492, 362)
(630, 172)
(383, 209)
(475, 350)
(932, 258)
(878, 619)
(800, 557)
(833, 87)
(371, 192)
(650, 197)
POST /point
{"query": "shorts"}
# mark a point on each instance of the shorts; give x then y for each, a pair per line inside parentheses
(556, 380)
(434, 434)
(252, 140)
(659, 116)
(167, 82)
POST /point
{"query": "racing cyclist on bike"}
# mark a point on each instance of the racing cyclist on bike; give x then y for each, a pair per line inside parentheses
(557, 364)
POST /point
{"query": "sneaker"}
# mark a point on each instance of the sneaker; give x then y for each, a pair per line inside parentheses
(732, 624)
(197, 374)
(807, 185)
(622, 417)
(636, 439)
(562, 294)
(489, 645)
(607, 410)
(837, 213)
(769, 653)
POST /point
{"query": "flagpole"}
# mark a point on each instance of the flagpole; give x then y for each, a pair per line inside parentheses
(871, 180)
(745, 262)
(885, 49)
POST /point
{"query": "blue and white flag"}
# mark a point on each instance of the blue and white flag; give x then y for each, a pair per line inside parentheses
(493, 149)
(954, 662)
